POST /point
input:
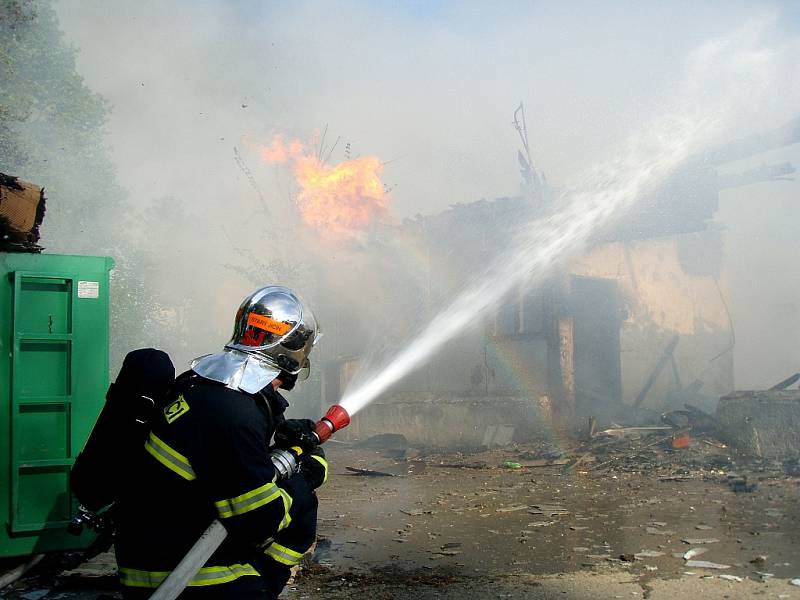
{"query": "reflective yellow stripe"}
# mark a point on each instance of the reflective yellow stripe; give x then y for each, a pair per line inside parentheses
(205, 576)
(284, 555)
(169, 457)
(287, 504)
(324, 463)
(248, 501)
(217, 575)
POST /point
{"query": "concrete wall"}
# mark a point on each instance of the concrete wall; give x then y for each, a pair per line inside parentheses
(449, 421)
(763, 423)
(668, 287)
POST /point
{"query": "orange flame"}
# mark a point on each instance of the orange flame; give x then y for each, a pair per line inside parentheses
(280, 152)
(338, 201)
(343, 198)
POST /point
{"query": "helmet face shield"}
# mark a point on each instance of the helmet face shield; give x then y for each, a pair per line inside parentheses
(273, 325)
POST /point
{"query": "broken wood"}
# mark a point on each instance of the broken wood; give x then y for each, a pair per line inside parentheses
(579, 461)
(666, 356)
(700, 420)
(660, 440)
(369, 472)
(788, 382)
(626, 431)
(591, 429)
(533, 464)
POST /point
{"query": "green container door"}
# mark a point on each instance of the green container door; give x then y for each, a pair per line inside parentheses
(54, 318)
(41, 400)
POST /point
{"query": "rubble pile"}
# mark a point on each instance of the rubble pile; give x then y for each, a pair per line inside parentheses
(763, 423)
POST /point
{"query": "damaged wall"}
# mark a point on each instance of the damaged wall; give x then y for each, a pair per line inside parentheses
(669, 287)
(613, 311)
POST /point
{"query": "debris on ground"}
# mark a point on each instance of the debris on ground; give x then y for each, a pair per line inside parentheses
(369, 472)
(102, 565)
(549, 510)
(624, 499)
(463, 465)
(648, 554)
(704, 564)
(764, 424)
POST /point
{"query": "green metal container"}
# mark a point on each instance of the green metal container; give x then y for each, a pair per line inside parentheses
(53, 380)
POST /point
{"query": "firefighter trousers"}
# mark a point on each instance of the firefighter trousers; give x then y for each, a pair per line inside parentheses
(274, 566)
(287, 550)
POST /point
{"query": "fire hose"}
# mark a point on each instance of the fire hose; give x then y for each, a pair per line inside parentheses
(286, 465)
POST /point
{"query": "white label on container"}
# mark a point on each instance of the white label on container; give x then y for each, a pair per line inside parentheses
(88, 289)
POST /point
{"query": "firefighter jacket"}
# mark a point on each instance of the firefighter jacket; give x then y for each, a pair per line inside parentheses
(206, 458)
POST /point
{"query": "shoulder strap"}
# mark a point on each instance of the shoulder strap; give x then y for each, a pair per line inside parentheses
(183, 382)
(268, 404)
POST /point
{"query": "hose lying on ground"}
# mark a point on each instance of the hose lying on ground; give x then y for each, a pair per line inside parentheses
(11, 576)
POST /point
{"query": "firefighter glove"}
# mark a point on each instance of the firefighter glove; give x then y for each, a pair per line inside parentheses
(314, 467)
(296, 432)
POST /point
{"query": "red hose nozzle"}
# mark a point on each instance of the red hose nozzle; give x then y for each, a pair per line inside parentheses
(335, 419)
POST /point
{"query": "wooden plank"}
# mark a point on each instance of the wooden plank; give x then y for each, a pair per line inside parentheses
(666, 356)
(566, 345)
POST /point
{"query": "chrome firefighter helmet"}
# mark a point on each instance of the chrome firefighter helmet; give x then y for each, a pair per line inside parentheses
(273, 324)
(273, 332)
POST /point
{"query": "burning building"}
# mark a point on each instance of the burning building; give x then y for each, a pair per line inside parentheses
(639, 319)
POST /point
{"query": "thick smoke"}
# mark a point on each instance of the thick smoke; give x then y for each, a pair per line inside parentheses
(428, 88)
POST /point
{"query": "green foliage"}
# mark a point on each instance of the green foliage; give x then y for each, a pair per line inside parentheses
(52, 134)
(14, 105)
(51, 129)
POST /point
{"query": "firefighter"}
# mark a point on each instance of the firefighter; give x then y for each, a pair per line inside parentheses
(206, 458)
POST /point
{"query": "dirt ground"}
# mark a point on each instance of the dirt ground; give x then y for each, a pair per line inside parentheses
(547, 531)
(473, 526)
